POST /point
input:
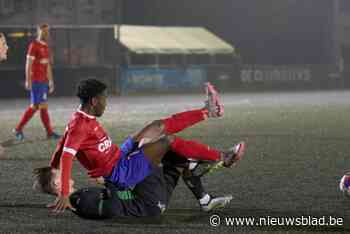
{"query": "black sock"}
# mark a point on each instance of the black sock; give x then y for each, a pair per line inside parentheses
(194, 183)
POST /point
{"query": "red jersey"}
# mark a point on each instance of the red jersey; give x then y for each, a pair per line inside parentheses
(85, 138)
(40, 53)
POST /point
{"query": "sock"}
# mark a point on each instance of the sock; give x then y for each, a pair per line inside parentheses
(194, 150)
(45, 119)
(180, 121)
(194, 183)
(205, 199)
(28, 114)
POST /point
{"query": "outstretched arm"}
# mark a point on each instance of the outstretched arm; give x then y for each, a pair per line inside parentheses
(62, 201)
(66, 150)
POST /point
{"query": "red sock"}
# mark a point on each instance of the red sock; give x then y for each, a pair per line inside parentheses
(45, 119)
(28, 114)
(195, 150)
(180, 121)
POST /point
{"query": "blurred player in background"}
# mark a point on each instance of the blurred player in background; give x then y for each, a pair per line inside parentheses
(39, 81)
(3, 47)
(3, 56)
(138, 157)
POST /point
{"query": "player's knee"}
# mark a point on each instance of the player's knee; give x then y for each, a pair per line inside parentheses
(92, 203)
(170, 139)
(157, 125)
(43, 106)
(74, 198)
(166, 141)
(152, 130)
(34, 106)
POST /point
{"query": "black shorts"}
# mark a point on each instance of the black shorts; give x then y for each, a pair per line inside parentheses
(149, 198)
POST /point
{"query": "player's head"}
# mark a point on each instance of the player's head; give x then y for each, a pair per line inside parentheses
(93, 97)
(43, 32)
(48, 180)
(3, 47)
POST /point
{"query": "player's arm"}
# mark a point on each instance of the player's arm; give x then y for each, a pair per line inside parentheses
(50, 78)
(74, 137)
(29, 66)
(62, 201)
(56, 156)
(28, 82)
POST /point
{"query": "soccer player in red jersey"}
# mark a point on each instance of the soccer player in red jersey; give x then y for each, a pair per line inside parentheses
(132, 162)
(39, 81)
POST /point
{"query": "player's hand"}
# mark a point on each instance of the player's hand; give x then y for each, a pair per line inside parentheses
(60, 204)
(28, 85)
(51, 87)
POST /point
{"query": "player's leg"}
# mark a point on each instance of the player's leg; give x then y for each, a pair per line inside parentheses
(27, 115)
(157, 188)
(44, 113)
(191, 175)
(195, 150)
(107, 202)
(206, 201)
(183, 120)
(159, 152)
(45, 119)
(136, 164)
(148, 198)
(36, 98)
(134, 167)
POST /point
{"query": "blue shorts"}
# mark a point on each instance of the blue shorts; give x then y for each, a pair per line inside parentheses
(132, 167)
(39, 92)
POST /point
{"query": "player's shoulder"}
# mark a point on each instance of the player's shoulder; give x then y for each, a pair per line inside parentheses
(80, 120)
(33, 43)
(38, 43)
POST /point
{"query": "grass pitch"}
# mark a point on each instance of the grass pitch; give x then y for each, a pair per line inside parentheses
(297, 151)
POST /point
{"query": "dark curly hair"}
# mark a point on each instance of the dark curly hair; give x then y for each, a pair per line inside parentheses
(88, 89)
